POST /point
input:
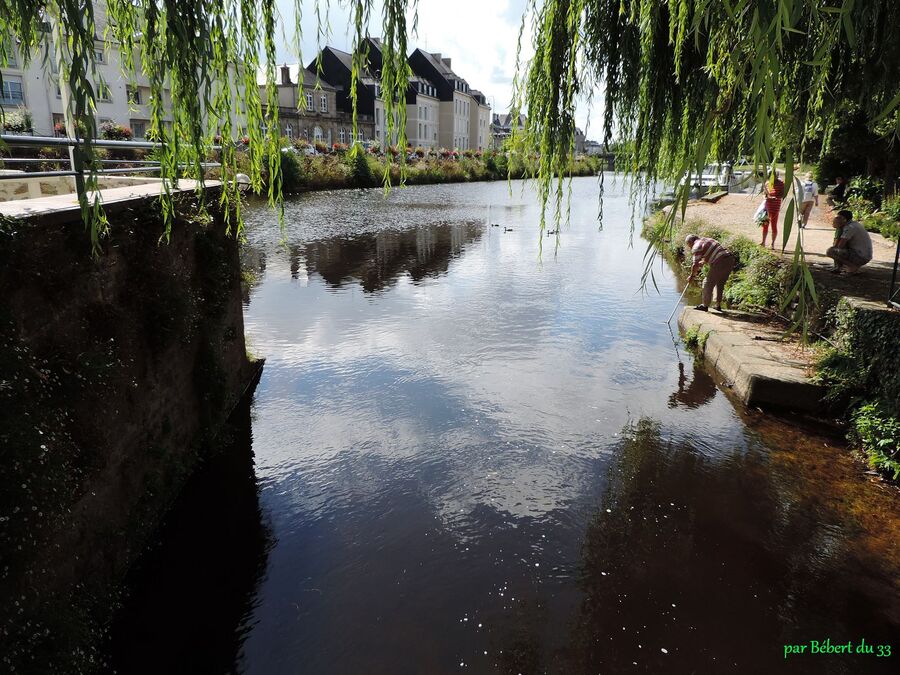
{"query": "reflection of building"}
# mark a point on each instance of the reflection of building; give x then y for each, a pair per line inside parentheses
(377, 260)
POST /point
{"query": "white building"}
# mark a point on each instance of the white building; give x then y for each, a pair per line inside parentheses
(120, 99)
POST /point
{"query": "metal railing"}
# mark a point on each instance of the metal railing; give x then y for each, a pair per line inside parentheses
(144, 166)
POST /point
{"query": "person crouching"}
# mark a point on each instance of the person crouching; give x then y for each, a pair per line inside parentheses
(852, 244)
(721, 263)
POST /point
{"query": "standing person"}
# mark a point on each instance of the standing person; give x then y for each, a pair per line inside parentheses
(852, 244)
(761, 218)
(774, 194)
(721, 263)
(810, 197)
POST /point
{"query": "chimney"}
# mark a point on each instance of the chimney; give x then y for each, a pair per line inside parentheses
(447, 63)
(285, 74)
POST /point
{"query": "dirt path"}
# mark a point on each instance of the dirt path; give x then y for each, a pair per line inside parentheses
(734, 213)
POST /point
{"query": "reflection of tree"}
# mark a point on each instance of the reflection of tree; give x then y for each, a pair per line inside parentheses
(191, 594)
(377, 260)
(704, 558)
(698, 392)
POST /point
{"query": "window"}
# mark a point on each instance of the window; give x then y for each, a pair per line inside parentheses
(289, 130)
(12, 93)
(139, 128)
(309, 102)
(103, 92)
(420, 131)
(317, 134)
(342, 136)
(11, 56)
(134, 95)
(99, 55)
(58, 91)
(323, 103)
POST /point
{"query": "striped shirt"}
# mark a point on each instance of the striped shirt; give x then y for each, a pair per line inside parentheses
(708, 251)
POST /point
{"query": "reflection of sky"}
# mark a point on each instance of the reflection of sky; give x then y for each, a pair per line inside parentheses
(423, 445)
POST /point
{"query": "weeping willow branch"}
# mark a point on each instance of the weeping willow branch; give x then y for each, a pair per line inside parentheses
(690, 82)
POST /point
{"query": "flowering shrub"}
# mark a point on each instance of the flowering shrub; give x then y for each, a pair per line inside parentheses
(339, 147)
(468, 153)
(17, 121)
(444, 153)
(245, 140)
(393, 150)
(321, 147)
(420, 151)
(59, 129)
(115, 132)
(454, 154)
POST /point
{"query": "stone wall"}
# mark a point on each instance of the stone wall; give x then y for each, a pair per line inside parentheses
(115, 373)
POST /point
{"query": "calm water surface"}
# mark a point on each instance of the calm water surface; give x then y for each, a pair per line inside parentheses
(466, 457)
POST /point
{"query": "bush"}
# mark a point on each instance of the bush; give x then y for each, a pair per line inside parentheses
(115, 132)
(868, 188)
(291, 171)
(17, 122)
(878, 434)
(361, 174)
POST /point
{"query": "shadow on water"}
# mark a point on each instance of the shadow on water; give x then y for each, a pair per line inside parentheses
(695, 565)
(191, 593)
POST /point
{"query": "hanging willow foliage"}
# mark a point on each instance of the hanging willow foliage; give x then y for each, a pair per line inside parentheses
(201, 58)
(690, 82)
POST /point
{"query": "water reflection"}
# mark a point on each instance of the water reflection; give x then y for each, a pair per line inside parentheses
(445, 419)
(191, 594)
(695, 565)
(700, 390)
(376, 261)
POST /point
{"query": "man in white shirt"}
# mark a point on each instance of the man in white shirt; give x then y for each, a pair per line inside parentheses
(810, 197)
(852, 244)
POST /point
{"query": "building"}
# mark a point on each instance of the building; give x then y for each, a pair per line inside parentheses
(579, 141)
(441, 109)
(593, 148)
(480, 122)
(421, 100)
(337, 71)
(311, 114)
(34, 88)
(457, 103)
(502, 127)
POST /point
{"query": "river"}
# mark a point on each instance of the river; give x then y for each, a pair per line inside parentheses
(473, 450)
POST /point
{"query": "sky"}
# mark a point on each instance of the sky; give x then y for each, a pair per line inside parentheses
(479, 36)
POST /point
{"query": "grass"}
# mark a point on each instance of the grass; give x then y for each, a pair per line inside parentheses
(695, 340)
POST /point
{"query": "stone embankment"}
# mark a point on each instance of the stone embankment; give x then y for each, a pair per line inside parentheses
(116, 371)
(750, 356)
